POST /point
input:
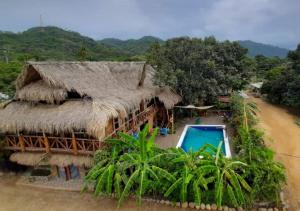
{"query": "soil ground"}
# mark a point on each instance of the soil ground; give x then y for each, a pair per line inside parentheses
(21, 198)
(283, 136)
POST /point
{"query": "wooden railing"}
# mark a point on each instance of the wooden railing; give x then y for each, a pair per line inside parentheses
(72, 145)
(135, 120)
(52, 144)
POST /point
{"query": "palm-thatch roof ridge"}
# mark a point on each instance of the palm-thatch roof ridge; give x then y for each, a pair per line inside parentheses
(108, 89)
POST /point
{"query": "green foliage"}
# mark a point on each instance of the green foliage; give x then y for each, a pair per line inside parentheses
(131, 166)
(132, 47)
(264, 65)
(283, 86)
(53, 43)
(265, 175)
(199, 69)
(8, 74)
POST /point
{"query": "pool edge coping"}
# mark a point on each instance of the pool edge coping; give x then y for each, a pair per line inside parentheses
(225, 137)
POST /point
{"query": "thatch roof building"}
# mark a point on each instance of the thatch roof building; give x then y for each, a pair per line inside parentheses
(55, 97)
(62, 111)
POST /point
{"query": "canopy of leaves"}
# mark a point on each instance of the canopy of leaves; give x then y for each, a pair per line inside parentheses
(8, 74)
(265, 64)
(283, 86)
(199, 69)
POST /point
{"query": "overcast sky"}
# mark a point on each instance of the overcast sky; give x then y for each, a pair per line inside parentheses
(269, 21)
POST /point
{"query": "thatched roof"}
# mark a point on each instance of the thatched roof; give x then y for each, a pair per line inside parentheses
(41, 91)
(108, 89)
(35, 158)
(29, 158)
(65, 160)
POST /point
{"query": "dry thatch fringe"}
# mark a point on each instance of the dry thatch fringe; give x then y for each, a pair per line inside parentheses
(40, 91)
(33, 159)
(168, 97)
(71, 115)
(26, 158)
(65, 160)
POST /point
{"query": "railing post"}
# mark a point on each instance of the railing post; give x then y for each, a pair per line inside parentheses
(46, 142)
(22, 143)
(74, 144)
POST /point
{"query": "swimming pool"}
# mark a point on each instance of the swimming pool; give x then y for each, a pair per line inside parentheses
(195, 136)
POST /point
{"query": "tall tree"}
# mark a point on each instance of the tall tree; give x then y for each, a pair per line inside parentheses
(284, 85)
(201, 69)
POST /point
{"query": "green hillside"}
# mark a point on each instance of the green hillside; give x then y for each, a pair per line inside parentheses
(255, 48)
(44, 43)
(131, 46)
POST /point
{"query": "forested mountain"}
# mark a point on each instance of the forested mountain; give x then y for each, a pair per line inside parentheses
(132, 46)
(255, 48)
(44, 43)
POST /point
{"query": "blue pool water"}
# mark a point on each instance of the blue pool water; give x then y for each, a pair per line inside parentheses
(196, 137)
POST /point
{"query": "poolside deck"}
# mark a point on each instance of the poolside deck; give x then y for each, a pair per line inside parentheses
(172, 139)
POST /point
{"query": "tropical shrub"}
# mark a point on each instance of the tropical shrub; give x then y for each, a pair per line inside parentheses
(137, 166)
(208, 171)
(265, 175)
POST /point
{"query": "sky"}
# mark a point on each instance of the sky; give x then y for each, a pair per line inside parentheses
(268, 21)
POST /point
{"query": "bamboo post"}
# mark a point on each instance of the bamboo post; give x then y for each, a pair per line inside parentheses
(172, 121)
(46, 142)
(74, 144)
(22, 143)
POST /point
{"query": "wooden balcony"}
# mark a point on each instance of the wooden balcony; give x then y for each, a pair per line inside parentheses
(52, 144)
(72, 145)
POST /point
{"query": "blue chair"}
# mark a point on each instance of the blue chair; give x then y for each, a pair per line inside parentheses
(135, 135)
(164, 131)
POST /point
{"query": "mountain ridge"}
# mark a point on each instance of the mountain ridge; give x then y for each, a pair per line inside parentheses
(54, 43)
(268, 50)
(131, 46)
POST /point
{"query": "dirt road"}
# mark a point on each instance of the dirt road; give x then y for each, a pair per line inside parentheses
(283, 136)
(20, 198)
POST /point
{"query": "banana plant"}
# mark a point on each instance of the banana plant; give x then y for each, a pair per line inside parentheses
(190, 179)
(142, 163)
(104, 173)
(227, 178)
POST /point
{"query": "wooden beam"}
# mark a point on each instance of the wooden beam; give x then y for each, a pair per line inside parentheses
(22, 143)
(74, 145)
